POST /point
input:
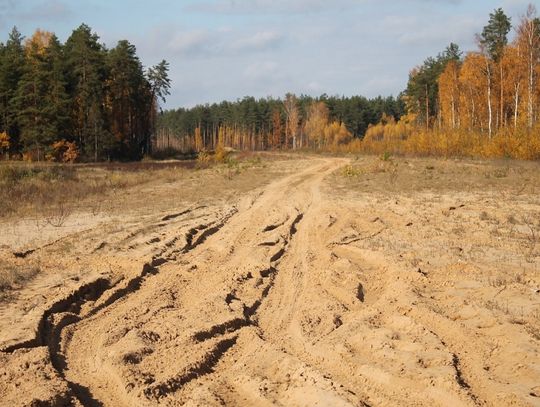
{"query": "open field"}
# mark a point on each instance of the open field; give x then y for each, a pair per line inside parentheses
(298, 282)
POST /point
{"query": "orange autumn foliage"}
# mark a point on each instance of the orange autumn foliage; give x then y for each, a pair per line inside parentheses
(4, 142)
(63, 151)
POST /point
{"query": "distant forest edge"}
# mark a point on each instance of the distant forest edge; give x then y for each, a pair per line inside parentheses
(82, 101)
(267, 123)
(77, 100)
(484, 104)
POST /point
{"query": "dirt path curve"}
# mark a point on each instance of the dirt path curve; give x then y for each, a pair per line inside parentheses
(201, 304)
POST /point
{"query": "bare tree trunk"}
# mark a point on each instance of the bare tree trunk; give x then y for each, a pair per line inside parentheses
(516, 104)
(490, 112)
(502, 94)
(427, 109)
(530, 89)
(453, 113)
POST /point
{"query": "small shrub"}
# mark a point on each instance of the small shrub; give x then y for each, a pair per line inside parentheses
(350, 171)
(220, 155)
(203, 159)
(63, 151)
(233, 167)
(4, 142)
(386, 156)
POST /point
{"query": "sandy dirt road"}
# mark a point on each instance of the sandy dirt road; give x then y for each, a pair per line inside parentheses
(295, 295)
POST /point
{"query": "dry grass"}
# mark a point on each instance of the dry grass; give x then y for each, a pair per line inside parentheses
(430, 174)
(12, 276)
(55, 190)
(45, 203)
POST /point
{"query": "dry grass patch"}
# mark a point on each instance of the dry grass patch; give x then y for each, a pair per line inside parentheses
(13, 276)
(55, 190)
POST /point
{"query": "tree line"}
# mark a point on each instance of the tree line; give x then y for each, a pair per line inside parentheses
(483, 102)
(268, 123)
(77, 99)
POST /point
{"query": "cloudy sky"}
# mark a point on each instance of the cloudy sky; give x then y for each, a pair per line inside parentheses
(226, 49)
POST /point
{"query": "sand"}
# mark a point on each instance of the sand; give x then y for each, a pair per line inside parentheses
(337, 283)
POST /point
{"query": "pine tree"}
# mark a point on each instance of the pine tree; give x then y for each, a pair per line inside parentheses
(126, 93)
(41, 98)
(30, 95)
(85, 59)
(57, 101)
(160, 84)
(11, 71)
(494, 37)
(422, 93)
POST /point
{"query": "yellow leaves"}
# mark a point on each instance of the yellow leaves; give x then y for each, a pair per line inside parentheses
(290, 105)
(316, 123)
(388, 135)
(409, 118)
(449, 94)
(220, 154)
(405, 138)
(199, 146)
(321, 132)
(4, 141)
(337, 134)
(38, 42)
(63, 151)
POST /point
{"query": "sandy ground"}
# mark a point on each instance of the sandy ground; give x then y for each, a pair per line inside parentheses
(331, 282)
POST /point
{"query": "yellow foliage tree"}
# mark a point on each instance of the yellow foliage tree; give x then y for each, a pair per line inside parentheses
(473, 112)
(38, 42)
(4, 142)
(198, 139)
(515, 81)
(528, 40)
(449, 94)
(292, 112)
(63, 151)
(316, 124)
(337, 134)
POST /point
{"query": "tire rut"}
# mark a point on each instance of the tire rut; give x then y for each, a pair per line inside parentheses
(249, 312)
(193, 372)
(67, 311)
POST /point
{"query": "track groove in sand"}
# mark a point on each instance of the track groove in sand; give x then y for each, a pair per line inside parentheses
(66, 311)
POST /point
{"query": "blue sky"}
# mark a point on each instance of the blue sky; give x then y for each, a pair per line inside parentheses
(226, 49)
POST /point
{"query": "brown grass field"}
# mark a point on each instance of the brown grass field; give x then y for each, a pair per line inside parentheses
(271, 279)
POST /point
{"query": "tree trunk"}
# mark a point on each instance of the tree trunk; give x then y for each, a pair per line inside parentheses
(516, 104)
(530, 89)
(490, 112)
(427, 109)
(502, 94)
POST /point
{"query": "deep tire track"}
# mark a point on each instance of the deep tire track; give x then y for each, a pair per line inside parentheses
(66, 312)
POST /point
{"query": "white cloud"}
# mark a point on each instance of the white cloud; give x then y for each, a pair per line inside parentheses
(268, 6)
(47, 10)
(416, 31)
(314, 86)
(189, 42)
(258, 41)
(220, 42)
(261, 70)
